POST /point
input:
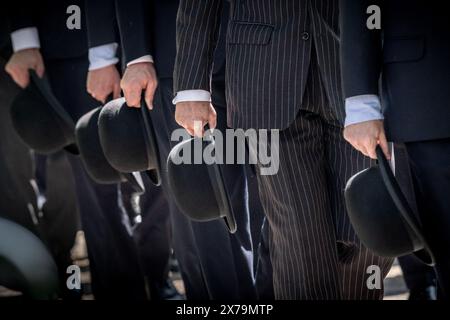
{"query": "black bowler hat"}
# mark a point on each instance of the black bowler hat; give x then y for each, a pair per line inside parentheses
(40, 120)
(94, 159)
(199, 190)
(381, 215)
(128, 139)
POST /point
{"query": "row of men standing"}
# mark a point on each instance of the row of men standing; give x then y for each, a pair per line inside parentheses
(127, 261)
(314, 251)
(68, 198)
(289, 66)
(282, 71)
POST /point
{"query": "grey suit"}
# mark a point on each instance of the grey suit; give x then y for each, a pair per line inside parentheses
(283, 73)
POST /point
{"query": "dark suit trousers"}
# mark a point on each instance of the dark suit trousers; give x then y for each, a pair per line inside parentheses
(430, 165)
(214, 263)
(315, 253)
(260, 237)
(114, 262)
(153, 237)
(418, 276)
(264, 271)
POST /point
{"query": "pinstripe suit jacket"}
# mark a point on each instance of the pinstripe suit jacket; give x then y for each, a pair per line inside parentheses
(268, 54)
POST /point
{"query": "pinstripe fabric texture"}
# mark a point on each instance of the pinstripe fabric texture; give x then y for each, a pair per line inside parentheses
(283, 72)
(268, 54)
(314, 250)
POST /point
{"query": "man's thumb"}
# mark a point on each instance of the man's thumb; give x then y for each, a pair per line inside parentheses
(382, 141)
(40, 70)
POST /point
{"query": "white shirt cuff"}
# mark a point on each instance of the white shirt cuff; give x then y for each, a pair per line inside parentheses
(192, 95)
(362, 108)
(26, 38)
(147, 58)
(102, 56)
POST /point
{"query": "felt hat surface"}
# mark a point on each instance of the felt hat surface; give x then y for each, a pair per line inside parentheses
(40, 120)
(381, 215)
(199, 189)
(93, 157)
(128, 139)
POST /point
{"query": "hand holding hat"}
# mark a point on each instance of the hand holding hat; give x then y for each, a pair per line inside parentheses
(381, 215)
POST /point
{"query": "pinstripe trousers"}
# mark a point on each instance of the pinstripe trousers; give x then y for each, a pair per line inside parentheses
(314, 250)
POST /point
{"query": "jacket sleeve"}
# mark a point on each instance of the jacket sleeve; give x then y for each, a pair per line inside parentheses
(198, 23)
(21, 14)
(101, 22)
(134, 28)
(361, 49)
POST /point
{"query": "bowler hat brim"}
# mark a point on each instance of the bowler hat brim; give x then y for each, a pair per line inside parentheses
(93, 157)
(223, 198)
(46, 91)
(152, 145)
(403, 206)
(199, 189)
(40, 120)
(128, 139)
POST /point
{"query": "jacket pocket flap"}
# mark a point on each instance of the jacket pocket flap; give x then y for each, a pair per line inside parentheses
(249, 33)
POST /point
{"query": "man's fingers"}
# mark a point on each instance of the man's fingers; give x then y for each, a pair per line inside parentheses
(18, 76)
(93, 94)
(370, 145)
(190, 131)
(178, 120)
(363, 150)
(88, 86)
(199, 128)
(19, 64)
(212, 118)
(150, 93)
(12, 73)
(352, 142)
(22, 79)
(101, 93)
(98, 94)
(382, 141)
(193, 116)
(39, 68)
(358, 145)
(371, 152)
(116, 91)
(189, 126)
(102, 98)
(132, 96)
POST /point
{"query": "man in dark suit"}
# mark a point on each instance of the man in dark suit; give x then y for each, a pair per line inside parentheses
(42, 41)
(152, 235)
(411, 53)
(283, 73)
(56, 221)
(214, 263)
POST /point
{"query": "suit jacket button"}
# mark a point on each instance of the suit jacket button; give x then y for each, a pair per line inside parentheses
(305, 36)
